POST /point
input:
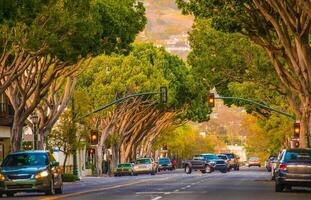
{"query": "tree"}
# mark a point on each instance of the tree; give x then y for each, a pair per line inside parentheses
(281, 28)
(184, 142)
(135, 123)
(42, 40)
(274, 134)
(64, 138)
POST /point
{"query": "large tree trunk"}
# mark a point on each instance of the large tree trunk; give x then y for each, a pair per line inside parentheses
(115, 156)
(16, 134)
(99, 160)
(305, 126)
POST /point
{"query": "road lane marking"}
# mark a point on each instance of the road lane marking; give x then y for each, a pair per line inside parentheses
(156, 198)
(99, 189)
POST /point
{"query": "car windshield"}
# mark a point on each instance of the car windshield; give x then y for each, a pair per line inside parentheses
(253, 158)
(164, 161)
(143, 161)
(230, 155)
(20, 160)
(223, 157)
(209, 157)
(298, 156)
(124, 165)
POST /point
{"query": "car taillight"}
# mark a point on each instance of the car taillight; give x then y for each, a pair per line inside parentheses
(283, 167)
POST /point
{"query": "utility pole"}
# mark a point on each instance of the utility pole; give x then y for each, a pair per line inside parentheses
(73, 132)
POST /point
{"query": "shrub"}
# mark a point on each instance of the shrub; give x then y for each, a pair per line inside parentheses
(70, 178)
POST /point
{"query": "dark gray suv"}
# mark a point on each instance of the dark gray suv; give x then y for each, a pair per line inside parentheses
(293, 169)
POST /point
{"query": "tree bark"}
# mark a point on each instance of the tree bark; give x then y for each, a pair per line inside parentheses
(16, 134)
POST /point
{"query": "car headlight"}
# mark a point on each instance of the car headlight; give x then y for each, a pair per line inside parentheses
(2, 177)
(42, 174)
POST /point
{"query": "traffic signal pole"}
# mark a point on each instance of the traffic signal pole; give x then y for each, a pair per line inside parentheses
(295, 140)
(163, 99)
(259, 104)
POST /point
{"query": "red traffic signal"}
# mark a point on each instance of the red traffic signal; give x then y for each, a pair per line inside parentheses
(296, 130)
(296, 144)
(94, 138)
(211, 100)
(91, 151)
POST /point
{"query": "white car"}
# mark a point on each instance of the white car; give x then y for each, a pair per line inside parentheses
(145, 166)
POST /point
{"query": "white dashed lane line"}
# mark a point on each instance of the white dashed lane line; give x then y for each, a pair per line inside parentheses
(156, 198)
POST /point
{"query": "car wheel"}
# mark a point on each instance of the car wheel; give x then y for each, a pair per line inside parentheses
(188, 169)
(279, 187)
(223, 171)
(9, 194)
(51, 190)
(208, 169)
(288, 188)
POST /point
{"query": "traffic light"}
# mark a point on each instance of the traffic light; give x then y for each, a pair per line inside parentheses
(211, 100)
(163, 94)
(94, 137)
(296, 144)
(91, 151)
(296, 130)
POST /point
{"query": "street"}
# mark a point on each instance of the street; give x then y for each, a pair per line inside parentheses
(248, 183)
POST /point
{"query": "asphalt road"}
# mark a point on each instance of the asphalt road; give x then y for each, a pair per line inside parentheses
(246, 184)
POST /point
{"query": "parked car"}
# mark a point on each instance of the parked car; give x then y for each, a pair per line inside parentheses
(253, 161)
(30, 171)
(164, 164)
(124, 169)
(269, 162)
(233, 160)
(226, 159)
(145, 166)
(273, 166)
(293, 169)
(197, 163)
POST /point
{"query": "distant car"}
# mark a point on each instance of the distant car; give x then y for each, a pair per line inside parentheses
(293, 169)
(124, 169)
(197, 163)
(233, 160)
(226, 159)
(164, 164)
(210, 157)
(221, 165)
(30, 171)
(253, 161)
(145, 166)
(269, 162)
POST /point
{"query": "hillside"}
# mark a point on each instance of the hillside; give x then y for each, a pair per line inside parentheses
(167, 26)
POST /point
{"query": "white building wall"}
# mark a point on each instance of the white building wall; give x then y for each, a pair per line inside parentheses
(5, 132)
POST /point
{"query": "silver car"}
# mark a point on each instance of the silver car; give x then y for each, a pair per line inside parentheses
(145, 166)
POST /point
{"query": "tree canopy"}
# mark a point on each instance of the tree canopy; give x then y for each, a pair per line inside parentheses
(281, 28)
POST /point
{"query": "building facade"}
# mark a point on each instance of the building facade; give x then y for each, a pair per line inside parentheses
(6, 121)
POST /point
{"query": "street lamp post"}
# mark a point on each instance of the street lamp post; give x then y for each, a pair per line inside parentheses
(35, 120)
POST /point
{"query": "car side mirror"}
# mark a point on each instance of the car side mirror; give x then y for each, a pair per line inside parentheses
(55, 164)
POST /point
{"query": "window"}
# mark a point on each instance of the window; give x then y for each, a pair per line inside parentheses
(2, 103)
